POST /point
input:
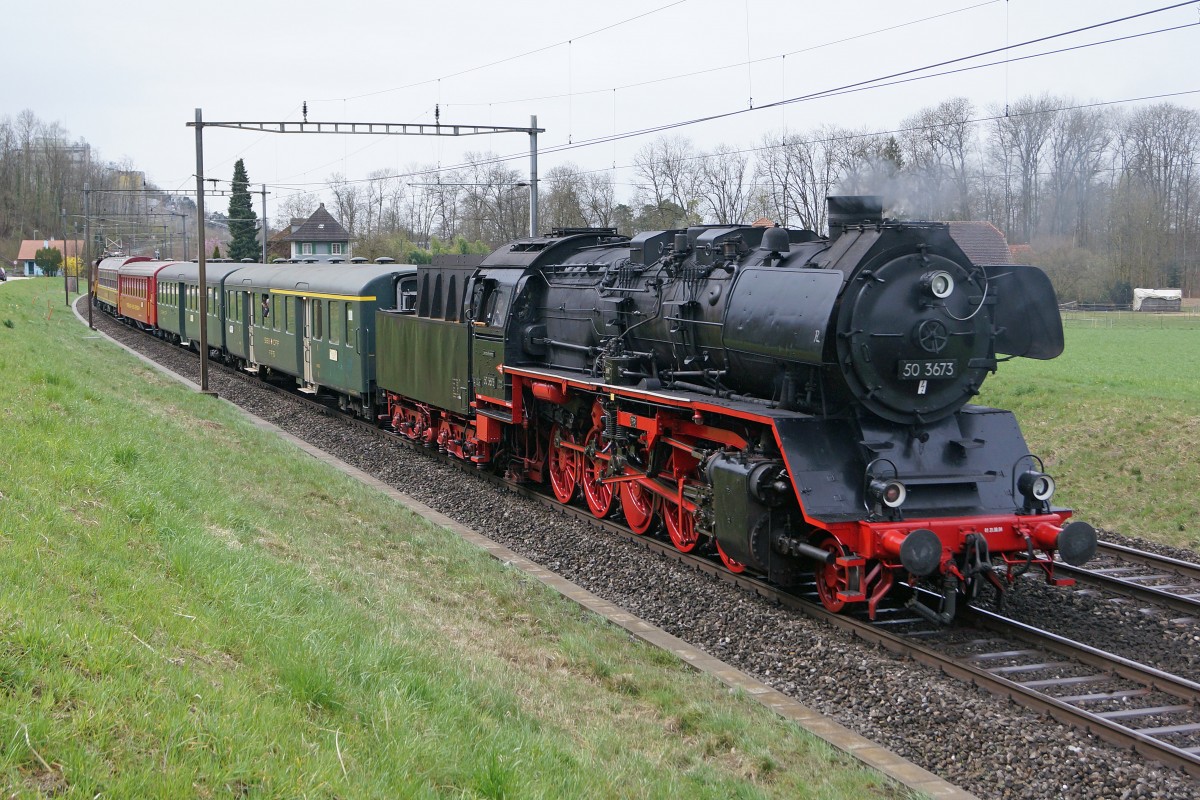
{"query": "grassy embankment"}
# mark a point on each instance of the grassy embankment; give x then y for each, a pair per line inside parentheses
(191, 607)
(1117, 418)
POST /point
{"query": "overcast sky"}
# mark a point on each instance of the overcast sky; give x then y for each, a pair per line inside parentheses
(127, 75)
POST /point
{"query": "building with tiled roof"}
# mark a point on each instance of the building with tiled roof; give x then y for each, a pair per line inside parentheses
(320, 236)
(71, 248)
(982, 242)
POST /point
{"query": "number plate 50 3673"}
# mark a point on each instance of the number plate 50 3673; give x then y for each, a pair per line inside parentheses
(923, 370)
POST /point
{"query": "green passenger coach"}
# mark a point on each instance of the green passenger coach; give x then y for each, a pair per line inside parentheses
(314, 322)
(179, 301)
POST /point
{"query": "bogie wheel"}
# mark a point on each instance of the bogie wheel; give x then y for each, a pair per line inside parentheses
(735, 567)
(638, 504)
(565, 465)
(832, 578)
(599, 495)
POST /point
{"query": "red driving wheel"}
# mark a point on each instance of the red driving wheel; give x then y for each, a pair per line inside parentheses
(638, 504)
(599, 495)
(681, 525)
(731, 565)
(564, 465)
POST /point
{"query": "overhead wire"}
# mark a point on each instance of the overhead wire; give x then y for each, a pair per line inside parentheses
(299, 188)
(904, 76)
(507, 59)
(735, 65)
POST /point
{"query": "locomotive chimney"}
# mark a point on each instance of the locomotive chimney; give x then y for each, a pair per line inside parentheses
(850, 210)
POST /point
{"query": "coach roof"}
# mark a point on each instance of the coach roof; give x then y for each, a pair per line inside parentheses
(336, 279)
(189, 272)
(144, 268)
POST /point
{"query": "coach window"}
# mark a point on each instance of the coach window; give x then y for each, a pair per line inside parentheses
(318, 314)
(289, 314)
(335, 321)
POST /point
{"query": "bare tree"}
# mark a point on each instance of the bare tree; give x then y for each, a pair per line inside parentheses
(493, 208)
(725, 184)
(1158, 194)
(599, 199)
(294, 206)
(935, 145)
(375, 190)
(348, 200)
(561, 203)
(1016, 144)
(668, 175)
(1077, 149)
(796, 173)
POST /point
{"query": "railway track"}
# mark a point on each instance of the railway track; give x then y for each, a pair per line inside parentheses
(1131, 705)
(1142, 575)
(1128, 704)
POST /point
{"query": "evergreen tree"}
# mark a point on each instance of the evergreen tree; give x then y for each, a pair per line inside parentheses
(216, 252)
(49, 259)
(244, 243)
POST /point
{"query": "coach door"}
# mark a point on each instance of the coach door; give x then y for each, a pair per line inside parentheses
(252, 316)
(311, 315)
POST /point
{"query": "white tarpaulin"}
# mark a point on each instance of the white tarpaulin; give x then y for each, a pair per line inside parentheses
(1160, 299)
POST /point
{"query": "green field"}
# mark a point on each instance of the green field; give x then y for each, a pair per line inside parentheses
(190, 607)
(1117, 418)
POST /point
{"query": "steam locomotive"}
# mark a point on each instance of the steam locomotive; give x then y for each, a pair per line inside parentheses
(796, 403)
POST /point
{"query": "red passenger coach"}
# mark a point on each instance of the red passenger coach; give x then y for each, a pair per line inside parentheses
(137, 285)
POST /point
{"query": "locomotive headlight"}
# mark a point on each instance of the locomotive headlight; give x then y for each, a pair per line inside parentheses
(890, 493)
(1036, 485)
(938, 283)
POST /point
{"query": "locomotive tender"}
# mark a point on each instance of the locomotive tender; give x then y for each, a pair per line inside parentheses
(798, 403)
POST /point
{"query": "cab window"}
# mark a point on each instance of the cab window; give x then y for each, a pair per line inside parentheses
(408, 295)
(490, 305)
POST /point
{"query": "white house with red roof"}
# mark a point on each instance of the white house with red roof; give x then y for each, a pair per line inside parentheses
(71, 248)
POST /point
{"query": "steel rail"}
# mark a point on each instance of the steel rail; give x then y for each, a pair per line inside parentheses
(1187, 602)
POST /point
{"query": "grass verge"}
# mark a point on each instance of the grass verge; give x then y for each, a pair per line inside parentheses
(1117, 418)
(191, 608)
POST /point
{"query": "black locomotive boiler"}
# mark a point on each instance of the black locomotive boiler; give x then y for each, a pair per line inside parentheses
(799, 404)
